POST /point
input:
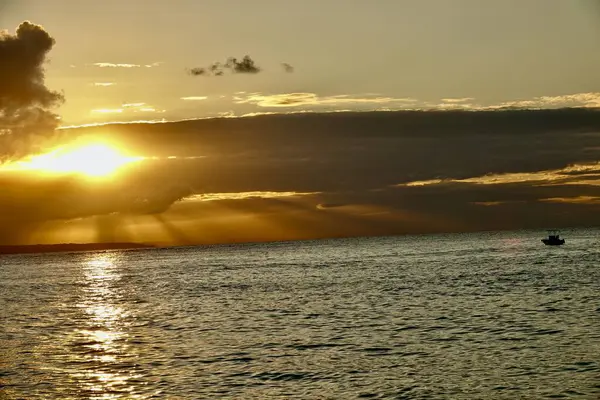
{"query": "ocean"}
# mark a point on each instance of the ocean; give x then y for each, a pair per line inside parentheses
(494, 315)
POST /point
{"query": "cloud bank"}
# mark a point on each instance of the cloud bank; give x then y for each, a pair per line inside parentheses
(335, 174)
(314, 102)
(312, 99)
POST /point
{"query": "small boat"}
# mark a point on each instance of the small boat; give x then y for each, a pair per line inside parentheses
(553, 239)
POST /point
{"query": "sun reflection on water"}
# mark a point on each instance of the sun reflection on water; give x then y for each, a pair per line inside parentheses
(102, 335)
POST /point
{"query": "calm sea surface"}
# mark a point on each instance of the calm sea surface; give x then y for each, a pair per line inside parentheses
(472, 316)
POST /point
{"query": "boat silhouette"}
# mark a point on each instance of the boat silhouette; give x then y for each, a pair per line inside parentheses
(553, 239)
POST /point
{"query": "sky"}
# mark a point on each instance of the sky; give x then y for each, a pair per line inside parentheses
(345, 54)
(142, 121)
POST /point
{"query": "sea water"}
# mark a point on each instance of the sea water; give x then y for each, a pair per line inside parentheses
(456, 316)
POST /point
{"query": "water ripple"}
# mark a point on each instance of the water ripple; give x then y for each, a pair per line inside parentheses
(446, 316)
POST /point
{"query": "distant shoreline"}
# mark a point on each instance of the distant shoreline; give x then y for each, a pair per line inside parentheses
(73, 247)
(68, 247)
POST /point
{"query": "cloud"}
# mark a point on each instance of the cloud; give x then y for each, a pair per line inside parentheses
(244, 195)
(312, 99)
(491, 203)
(198, 71)
(307, 175)
(325, 206)
(458, 100)
(194, 98)
(576, 100)
(287, 67)
(244, 66)
(124, 65)
(128, 108)
(33, 201)
(580, 174)
(591, 200)
(308, 101)
(107, 110)
(363, 102)
(26, 104)
(584, 100)
(115, 123)
(104, 84)
(423, 183)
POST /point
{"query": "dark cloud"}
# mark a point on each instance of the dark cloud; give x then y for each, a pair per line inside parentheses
(356, 172)
(287, 67)
(308, 152)
(244, 66)
(28, 202)
(26, 117)
(198, 71)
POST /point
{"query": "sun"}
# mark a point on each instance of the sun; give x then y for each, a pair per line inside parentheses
(94, 160)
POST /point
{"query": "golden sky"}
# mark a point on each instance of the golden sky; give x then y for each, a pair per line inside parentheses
(346, 118)
(130, 60)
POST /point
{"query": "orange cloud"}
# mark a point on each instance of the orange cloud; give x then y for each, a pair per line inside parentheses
(587, 100)
(591, 200)
(303, 99)
(244, 195)
(570, 175)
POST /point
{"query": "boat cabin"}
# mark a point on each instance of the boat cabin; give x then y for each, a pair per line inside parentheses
(553, 238)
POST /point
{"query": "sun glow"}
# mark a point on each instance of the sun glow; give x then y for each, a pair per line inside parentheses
(92, 160)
